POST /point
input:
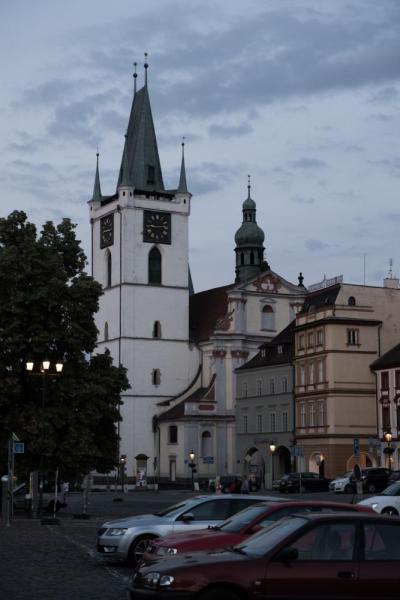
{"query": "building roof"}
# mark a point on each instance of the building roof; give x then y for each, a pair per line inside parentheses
(205, 309)
(387, 360)
(206, 394)
(320, 298)
(140, 150)
(269, 355)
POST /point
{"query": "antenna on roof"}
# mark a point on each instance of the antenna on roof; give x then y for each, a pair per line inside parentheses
(248, 185)
(134, 78)
(146, 66)
(390, 268)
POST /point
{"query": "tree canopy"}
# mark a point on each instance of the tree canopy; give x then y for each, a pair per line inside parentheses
(47, 307)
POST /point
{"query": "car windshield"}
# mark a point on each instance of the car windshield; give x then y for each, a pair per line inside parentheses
(392, 490)
(261, 543)
(243, 518)
(347, 474)
(171, 509)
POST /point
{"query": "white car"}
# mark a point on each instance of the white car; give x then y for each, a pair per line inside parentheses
(342, 484)
(386, 503)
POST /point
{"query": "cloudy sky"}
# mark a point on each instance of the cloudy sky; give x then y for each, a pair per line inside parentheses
(302, 94)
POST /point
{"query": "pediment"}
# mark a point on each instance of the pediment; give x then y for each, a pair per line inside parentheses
(271, 283)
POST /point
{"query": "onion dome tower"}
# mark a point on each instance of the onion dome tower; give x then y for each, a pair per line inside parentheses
(249, 240)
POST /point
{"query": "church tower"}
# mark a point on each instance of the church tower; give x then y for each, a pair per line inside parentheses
(249, 240)
(140, 256)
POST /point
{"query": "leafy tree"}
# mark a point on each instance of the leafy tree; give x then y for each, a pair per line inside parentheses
(47, 303)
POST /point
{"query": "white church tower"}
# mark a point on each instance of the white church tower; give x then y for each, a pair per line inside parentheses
(140, 256)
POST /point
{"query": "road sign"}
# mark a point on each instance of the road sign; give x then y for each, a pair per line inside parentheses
(19, 448)
(356, 446)
(208, 460)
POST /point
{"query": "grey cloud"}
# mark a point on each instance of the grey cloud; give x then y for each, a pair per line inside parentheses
(211, 177)
(386, 94)
(315, 245)
(391, 164)
(301, 200)
(307, 163)
(383, 117)
(229, 131)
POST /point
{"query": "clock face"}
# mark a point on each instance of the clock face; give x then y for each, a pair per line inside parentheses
(107, 231)
(156, 227)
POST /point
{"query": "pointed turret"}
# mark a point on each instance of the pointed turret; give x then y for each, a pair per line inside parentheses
(141, 152)
(182, 187)
(125, 176)
(96, 187)
(249, 240)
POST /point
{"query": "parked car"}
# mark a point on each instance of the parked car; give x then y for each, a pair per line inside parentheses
(22, 499)
(342, 484)
(338, 555)
(303, 482)
(373, 479)
(127, 538)
(240, 526)
(394, 476)
(386, 503)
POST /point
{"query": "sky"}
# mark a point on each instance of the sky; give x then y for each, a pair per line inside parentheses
(303, 95)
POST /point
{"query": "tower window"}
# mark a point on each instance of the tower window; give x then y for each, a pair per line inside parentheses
(157, 329)
(154, 266)
(151, 174)
(206, 444)
(268, 317)
(156, 377)
(252, 258)
(351, 301)
(242, 258)
(108, 268)
(172, 434)
(352, 337)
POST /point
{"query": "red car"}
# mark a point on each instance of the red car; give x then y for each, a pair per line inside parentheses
(307, 556)
(241, 525)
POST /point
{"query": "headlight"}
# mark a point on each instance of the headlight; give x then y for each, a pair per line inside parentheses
(164, 551)
(374, 506)
(117, 531)
(166, 580)
(151, 579)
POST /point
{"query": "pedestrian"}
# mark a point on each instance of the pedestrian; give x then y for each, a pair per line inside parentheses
(245, 485)
(218, 486)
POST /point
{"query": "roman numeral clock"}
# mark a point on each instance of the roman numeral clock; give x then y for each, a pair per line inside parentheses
(156, 227)
(107, 231)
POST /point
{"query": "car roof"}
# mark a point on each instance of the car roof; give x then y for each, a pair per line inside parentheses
(350, 516)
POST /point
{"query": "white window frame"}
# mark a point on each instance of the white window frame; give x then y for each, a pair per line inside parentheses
(321, 413)
(311, 413)
(303, 415)
(259, 423)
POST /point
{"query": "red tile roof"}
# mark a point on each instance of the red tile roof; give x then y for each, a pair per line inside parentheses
(205, 308)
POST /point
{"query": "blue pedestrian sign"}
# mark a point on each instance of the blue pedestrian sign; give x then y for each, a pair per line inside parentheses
(19, 448)
(356, 447)
(208, 460)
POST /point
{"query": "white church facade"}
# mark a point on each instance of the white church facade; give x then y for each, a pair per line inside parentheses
(180, 348)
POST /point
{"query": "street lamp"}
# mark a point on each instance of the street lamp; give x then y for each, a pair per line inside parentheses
(192, 465)
(389, 448)
(44, 370)
(122, 462)
(272, 449)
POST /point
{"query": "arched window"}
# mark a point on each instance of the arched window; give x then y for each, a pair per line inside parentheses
(252, 258)
(172, 434)
(105, 331)
(156, 377)
(154, 266)
(242, 258)
(206, 444)
(268, 317)
(351, 301)
(157, 329)
(108, 268)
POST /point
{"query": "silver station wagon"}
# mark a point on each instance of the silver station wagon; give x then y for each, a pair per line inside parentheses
(127, 539)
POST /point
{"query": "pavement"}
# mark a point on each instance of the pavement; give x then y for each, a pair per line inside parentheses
(60, 562)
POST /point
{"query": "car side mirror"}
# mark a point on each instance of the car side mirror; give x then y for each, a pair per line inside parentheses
(254, 529)
(187, 517)
(288, 554)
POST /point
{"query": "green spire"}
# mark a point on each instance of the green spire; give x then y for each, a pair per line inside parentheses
(141, 151)
(182, 187)
(96, 187)
(126, 177)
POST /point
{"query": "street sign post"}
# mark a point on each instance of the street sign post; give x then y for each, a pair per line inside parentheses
(19, 448)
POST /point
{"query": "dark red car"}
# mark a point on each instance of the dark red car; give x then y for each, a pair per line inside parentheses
(308, 556)
(241, 525)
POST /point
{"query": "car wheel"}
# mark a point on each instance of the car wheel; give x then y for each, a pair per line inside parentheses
(371, 488)
(390, 510)
(348, 489)
(218, 593)
(138, 548)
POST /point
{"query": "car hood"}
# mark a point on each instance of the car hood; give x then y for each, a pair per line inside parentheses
(372, 500)
(137, 521)
(341, 480)
(200, 559)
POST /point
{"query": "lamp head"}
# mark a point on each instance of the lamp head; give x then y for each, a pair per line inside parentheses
(29, 365)
(192, 456)
(388, 437)
(46, 365)
(272, 447)
(59, 367)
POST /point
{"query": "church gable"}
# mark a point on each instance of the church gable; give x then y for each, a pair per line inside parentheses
(271, 283)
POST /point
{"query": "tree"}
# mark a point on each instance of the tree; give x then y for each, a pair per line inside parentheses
(47, 306)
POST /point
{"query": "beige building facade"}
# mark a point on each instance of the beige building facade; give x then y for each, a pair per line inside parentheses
(340, 331)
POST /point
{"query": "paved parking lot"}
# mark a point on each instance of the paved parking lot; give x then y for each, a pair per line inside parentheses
(50, 562)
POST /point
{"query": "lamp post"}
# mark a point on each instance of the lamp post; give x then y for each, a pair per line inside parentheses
(192, 465)
(389, 449)
(272, 449)
(44, 371)
(122, 463)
